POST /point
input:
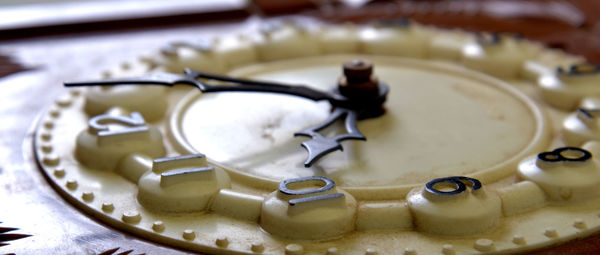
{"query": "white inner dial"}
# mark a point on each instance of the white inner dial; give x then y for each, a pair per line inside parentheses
(441, 120)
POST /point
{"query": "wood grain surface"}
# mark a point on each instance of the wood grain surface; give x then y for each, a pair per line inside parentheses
(33, 67)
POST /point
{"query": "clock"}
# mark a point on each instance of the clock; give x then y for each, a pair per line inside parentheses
(481, 143)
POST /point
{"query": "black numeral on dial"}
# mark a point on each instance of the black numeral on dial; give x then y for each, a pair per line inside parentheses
(565, 154)
(459, 183)
(325, 184)
(127, 124)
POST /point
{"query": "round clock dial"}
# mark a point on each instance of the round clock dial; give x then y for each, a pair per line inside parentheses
(483, 146)
(434, 111)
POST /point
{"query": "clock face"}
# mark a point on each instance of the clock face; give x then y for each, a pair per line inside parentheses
(483, 147)
(435, 110)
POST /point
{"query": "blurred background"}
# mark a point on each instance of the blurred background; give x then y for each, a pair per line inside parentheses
(571, 25)
(44, 42)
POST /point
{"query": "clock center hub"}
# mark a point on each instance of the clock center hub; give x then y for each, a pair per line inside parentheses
(360, 85)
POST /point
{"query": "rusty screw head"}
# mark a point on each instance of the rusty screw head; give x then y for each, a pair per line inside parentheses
(365, 92)
(358, 79)
(358, 71)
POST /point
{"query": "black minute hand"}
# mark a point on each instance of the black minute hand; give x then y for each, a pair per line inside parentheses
(191, 77)
(357, 96)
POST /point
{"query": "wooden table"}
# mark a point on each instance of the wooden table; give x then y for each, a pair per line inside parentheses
(49, 225)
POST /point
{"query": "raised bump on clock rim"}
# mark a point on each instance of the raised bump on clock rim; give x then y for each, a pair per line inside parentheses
(500, 55)
(404, 39)
(198, 55)
(454, 210)
(114, 128)
(276, 40)
(448, 45)
(110, 138)
(567, 88)
(581, 126)
(151, 102)
(566, 174)
(521, 197)
(306, 192)
(133, 166)
(380, 215)
(451, 187)
(181, 184)
(295, 210)
(339, 40)
(237, 205)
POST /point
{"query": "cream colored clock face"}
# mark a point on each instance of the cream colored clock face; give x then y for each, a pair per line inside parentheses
(467, 122)
(483, 148)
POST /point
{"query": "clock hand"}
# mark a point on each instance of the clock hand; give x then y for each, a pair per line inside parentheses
(319, 145)
(357, 96)
(233, 84)
(336, 98)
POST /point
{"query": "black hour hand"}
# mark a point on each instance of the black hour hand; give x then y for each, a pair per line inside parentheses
(320, 145)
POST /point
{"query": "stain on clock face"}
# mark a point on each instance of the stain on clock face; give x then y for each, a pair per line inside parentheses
(440, 120)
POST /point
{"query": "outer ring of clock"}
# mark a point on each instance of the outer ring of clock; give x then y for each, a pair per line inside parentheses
(111, 200)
